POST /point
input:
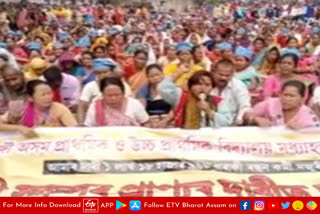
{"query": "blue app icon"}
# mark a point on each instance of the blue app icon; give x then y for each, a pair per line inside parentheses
(285, 206)
(245, 205)
(135, 205)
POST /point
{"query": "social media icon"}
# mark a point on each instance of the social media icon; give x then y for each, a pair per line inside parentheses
(259, 205)
(245, 205)
(297, 205)
(285, 205)
(135, 205)
(311, 205)
(119, 205)
(273, 205)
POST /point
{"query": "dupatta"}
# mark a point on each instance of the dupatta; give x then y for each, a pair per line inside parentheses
(107, 116)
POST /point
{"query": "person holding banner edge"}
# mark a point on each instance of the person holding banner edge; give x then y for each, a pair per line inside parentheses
(39, 110)
(288, 109)
(114, 108)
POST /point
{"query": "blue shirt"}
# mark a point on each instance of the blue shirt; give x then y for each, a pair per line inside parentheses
(81, 72)
(310, 11)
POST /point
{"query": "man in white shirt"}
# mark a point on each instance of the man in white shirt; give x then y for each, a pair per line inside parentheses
(234, 93)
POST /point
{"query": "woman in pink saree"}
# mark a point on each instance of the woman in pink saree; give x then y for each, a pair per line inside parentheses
(39, 110)
(114, 109)
(287, 70)
(287, 110)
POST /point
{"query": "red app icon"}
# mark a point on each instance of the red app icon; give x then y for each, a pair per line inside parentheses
(273, 205)
(90, 205)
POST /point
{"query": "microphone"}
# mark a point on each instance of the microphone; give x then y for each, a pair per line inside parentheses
(203, 97)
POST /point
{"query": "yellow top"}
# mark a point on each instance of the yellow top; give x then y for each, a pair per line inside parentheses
(98, 42)
(172, 68)
(34, 69)
(63, 12)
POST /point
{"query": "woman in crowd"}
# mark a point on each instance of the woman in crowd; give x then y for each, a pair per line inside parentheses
(269, 61)
(114, 108)
(134, 71)
(34, 50)
(273, 83)
(158, 109)
(170, 56)
(39, 110)
(314, 44)
(185, 68)
(241, 38)
(293, 43)
(195, 108)
(111, 51)
(52, 56)
(258, 49)
(200, 58)
(120, 42)
(85, 72)
(224, 51)
(244, 71)
(287, 110)
(307, 67)
(194, 39)
(68, 64)
(102, 68)
(99, 52)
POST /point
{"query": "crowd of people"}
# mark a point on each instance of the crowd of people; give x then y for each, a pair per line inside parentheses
(228, 64)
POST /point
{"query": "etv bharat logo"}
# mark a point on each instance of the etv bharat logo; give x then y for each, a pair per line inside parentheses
(90, 205)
